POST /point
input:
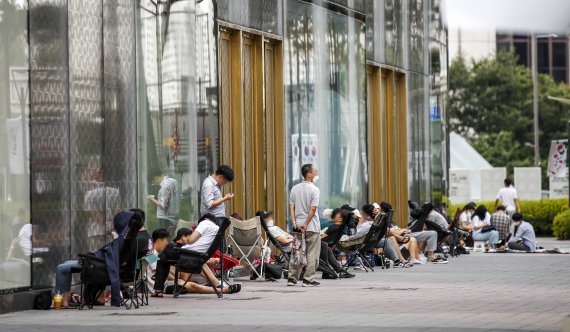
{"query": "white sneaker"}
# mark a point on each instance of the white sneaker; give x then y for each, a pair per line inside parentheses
(359, 268)
(416, 262)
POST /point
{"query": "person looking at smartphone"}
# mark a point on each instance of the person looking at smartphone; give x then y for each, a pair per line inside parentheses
(212, 199)
(168, 201)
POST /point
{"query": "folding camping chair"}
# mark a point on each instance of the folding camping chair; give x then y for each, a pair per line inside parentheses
(94, 279)
(192, 262)
(246, 242)
(356, 249)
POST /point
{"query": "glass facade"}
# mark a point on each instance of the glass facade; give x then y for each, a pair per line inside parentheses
(325, 101)
(15, 237)
(98, 97)
(177, 100)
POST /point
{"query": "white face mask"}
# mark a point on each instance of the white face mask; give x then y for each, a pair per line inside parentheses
(517, 223)
(269, 222)
(315, 179)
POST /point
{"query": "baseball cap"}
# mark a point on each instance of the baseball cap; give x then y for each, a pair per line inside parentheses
(182, 232)
(376, 205)
(357, 214)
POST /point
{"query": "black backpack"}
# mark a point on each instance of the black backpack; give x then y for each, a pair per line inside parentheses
(42, 301)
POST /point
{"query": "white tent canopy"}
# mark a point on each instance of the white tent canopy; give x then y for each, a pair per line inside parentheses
(464, 156)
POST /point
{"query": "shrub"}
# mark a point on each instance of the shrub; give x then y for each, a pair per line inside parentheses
(561, 225)
(539, 213)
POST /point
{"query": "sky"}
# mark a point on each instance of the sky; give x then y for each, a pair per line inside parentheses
(538, 16)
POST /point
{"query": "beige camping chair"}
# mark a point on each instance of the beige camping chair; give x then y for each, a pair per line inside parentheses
(246, 242)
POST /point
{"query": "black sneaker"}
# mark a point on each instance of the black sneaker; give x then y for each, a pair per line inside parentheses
(307, 283)
(328, 276)
(291, 282)
(345, 275)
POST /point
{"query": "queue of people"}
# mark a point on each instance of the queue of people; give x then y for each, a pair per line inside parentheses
(310, 242)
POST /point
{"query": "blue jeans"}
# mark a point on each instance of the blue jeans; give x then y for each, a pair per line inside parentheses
(389, 250)
(63, 275)
(491, 237)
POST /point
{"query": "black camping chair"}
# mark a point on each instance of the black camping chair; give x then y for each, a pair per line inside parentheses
(442, 235)
(94, 280)
(377, 231)
(192, 262)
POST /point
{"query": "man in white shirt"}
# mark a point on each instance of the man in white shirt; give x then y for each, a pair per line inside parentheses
(303, 203)
(203, 235)
(508, 196)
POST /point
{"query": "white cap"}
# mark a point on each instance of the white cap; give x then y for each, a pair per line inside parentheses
(376, 205)
(357, 214)
(327, 213)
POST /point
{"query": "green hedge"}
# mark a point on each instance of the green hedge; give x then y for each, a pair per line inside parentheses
(561, 225)
(539, 213)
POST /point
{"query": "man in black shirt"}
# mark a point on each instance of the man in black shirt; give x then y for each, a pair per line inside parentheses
(167, 258)
(332, 233)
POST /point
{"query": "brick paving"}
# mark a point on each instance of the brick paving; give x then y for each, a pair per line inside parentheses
(497, 292)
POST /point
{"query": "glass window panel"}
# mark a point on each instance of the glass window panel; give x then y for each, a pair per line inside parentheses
(522, 50)
(394, 31)
(325, 102)
(559, 54)
(178, 109)
(542, 53)
(16, 235)
(416, 28)
(560, 75)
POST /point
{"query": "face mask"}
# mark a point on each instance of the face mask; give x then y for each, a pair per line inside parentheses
(315, 179)
(269, 222)
(517, 223)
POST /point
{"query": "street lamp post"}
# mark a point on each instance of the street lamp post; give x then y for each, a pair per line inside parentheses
(534, 66)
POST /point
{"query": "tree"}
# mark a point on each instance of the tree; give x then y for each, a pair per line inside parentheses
(490, 104)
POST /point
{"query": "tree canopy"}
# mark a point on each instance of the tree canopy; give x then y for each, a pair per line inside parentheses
(490, 104)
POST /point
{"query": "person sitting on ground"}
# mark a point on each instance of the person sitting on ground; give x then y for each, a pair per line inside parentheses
(327, 239)
(481, 228)
(524, 238)
(280, 235)
(502, 223)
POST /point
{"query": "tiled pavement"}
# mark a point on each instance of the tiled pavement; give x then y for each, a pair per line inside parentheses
(496, 292)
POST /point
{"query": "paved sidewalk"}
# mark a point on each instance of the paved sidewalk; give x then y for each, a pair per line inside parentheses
(496, 292)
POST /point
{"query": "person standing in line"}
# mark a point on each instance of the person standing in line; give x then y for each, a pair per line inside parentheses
(509, 198)
(212, 199)
(168, 202)
(303, 204)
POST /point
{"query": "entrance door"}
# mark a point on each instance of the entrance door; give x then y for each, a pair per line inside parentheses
(252, 121)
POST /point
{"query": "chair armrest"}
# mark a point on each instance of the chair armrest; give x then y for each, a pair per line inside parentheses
(192, 253)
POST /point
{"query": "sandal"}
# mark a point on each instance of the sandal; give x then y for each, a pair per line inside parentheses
(235, 288)
(157, 293)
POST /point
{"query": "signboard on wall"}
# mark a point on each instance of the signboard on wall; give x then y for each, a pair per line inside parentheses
(307, 152)
(459, 185)
(492, 179)
(559, 186)
(528, 182)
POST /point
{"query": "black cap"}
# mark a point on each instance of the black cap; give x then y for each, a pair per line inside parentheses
(182, 232)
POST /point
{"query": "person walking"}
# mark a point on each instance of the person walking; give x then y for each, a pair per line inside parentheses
(303, 204)
(168, 202)
(212, 199)
(509, 198)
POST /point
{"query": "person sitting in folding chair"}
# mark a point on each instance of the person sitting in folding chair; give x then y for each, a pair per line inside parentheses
(327, 241)
(280, 235)
(200, 241)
